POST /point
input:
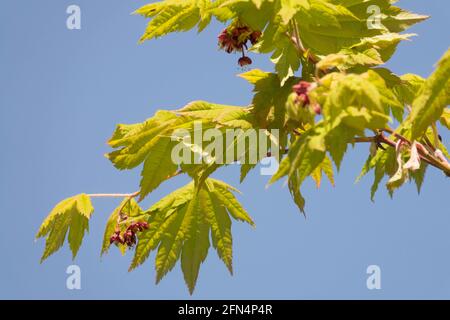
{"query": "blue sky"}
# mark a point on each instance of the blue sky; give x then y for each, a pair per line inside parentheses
(61, 94)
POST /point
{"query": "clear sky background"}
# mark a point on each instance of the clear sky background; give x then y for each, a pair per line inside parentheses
(61, 94)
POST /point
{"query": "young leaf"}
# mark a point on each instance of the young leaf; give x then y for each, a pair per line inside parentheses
(294, 189)
(216, 216)
(269, 101)
(245, 169)
(151, 142)
(325, 167)
(445, 118)
(223, 193)
(194, 252)
(172, 241)
(71, 215)
(171, 16)
(286, 60)
(304, 156)
(158, 166)
(432, 99)
(419, 175)
(179, 226)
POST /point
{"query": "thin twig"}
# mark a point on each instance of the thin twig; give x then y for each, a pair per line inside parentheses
(121, 216)
(364, 139)
(299, 44)
(113, 195)
(424, 154)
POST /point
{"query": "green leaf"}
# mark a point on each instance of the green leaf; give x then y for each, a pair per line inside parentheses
(326, 167)
(172, 241)
(194, 252)
(383, 163)
(136, 141)
(445, 118)
(337, 141)
(71, 215)
(158, 166)
(344, 25)
(419, 175)
(217, 217)
(245, 169)
(304, 156)
(179, 226)
(432, 99)
(398, 20)
(286, 60)
(269, 101)
(153, 141)
(172, 16)
(294, 189)
(407, 89)
(288, 8)
(223, 193)
(370, 51)
(353, 90)
(326, 26)
(254, 75)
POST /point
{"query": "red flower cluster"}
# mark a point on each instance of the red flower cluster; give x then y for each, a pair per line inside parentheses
(235, 38)
(302, 90)
(129, 236)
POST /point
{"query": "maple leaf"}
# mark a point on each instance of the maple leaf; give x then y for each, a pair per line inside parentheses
(69, 216)
(181, 225)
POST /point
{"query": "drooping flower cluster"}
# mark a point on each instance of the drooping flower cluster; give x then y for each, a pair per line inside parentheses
(234, 38)
(128, 237)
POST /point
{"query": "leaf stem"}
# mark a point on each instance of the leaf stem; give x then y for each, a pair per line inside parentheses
(299, 44)
(114, 195)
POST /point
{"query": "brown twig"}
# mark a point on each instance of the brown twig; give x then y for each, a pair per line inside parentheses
(424, 154)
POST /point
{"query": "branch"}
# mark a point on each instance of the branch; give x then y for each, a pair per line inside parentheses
(424, 154)
(364, 139)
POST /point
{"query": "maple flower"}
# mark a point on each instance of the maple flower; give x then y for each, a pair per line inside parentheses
(302, 89)
(244, 61)
(226, 41)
